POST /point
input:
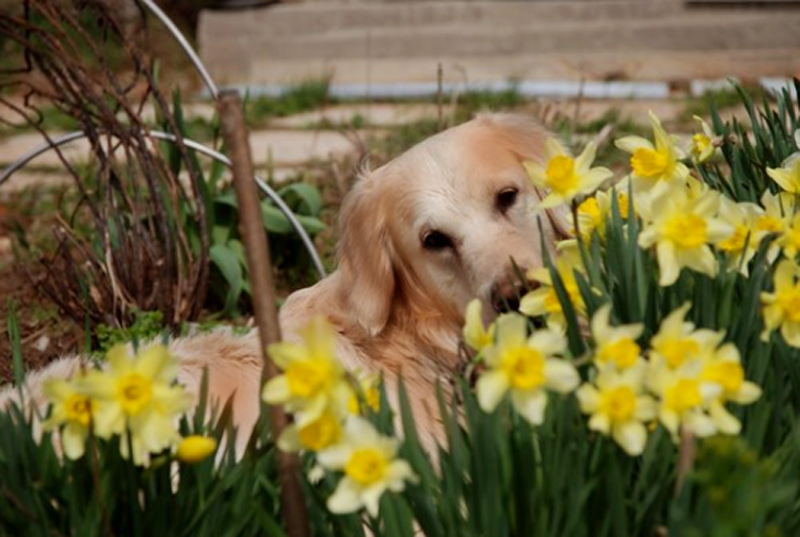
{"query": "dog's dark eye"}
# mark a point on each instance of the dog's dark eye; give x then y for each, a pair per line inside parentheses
(506, 198)
(436, 240)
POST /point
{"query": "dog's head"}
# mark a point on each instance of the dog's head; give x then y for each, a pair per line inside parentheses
(446, 222)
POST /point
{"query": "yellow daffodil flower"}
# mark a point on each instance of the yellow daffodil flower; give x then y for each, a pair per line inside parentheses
(789, 239)
(475, 334)
(565, 177)
(619, 407)
(543, 301)
(369, 385)
(684, 398)
(743, 218)
(703, 143)
(137, 397)
(677, 342)
(72, 410)
(616, 346)
(593, 212)
(370, 466)
(779, 211)
(525, 367)
(788, 175)
(682, 228)
(313, 379)
(654, 165)
(195, 448)
(314, 435)
(725, 369)
(781, 308)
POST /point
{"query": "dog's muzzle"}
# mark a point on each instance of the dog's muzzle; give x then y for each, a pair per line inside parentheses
(506, 296)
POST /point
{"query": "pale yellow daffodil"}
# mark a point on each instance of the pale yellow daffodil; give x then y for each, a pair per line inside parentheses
(615, 346)
(743, 218)
(314, 435)
(137, 398)
(684, 398)
(369, 387)
(313, 379)
(725, 369)
(781, 307)
(703, 143)
(654, 165)
(677, 342)
(476, 335)
(788, 175)
(370, 466)
(594, 211)
(779, 211)
(682, 228)
(72, 411)
(789, 239)
(619, 407)
(525, 367)
(543, 301)
(566, 177)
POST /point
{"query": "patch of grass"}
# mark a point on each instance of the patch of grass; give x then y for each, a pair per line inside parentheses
(722, 99)
(485, 100)
(307, 95)
(403, 137)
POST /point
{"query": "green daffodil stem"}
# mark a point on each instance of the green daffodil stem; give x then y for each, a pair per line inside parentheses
(259, 266)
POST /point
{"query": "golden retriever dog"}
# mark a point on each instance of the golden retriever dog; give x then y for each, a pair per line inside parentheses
(420, 237)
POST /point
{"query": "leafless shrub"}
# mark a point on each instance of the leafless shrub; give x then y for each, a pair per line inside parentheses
(138, 237)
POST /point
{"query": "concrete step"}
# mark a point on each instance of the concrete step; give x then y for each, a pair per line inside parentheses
(296, 20)
(366, 75)
(375, 43)
(667, 34)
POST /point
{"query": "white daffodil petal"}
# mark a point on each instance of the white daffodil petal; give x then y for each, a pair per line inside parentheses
(630, 144)
(560, 376)
(531, 405)
(346, 498)
(600, 423)
(631, 436)
(491, 388)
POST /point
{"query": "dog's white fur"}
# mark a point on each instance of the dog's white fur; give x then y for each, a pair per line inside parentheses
(397, 305)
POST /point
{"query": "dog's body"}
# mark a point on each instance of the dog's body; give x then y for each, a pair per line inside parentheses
(420, 237)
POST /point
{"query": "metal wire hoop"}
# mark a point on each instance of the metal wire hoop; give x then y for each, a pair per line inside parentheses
(200, 148)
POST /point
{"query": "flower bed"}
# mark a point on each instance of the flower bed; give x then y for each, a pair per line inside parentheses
(649, 384)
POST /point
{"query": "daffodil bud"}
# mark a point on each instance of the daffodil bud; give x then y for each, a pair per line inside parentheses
(195, 448)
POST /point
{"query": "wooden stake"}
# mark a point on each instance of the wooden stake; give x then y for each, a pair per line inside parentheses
(259, 265)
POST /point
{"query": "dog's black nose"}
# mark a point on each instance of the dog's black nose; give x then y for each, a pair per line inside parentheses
(506, 296)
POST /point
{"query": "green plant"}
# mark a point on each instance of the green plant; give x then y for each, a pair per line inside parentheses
(471, 102)
(305, 96)
(146, 326)
(227, 251)
(229, 282)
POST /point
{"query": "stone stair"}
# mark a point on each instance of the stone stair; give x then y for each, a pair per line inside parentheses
(393, 42)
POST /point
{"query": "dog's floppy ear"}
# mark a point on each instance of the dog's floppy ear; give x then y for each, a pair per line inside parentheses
(526, 139)
(367, 279)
